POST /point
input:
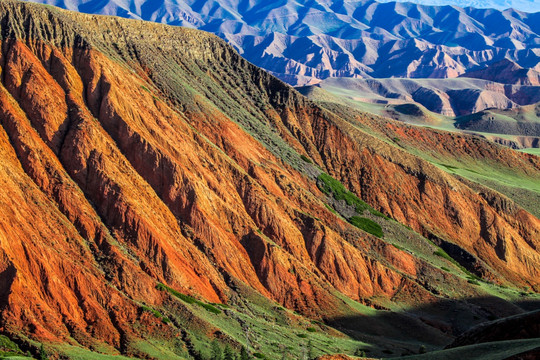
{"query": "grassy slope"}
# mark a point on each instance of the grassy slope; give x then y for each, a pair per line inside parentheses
(367, 101)
(522, 189)
(499, 350)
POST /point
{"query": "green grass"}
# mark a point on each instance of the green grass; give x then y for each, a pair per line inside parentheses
(441, 253)
(271, 328)
(332, 187)
(188, 299)
(533, 151)
(330, 209)
(367, 225)
(7, 345)
(78, 353)
(499, 350)
(306, 159)
(9, 349)
(156, 313)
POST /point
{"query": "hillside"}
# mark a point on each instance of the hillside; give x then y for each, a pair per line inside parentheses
(305, 41)
(163, 196)
(506, 72)
(523, 121)
(448, 97)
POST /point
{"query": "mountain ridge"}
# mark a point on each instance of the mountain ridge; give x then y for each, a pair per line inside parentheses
(356, 39)
(506, 72)
(523, 5)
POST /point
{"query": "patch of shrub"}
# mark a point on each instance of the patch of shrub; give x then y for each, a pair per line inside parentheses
(259, 355)
(334, 188)
(306, 159)
(443, 254)
(150, 310)
(7, 345)
(209, 307)
(188, 299)
(367, 225)
(303, 336)
(311, 329)
(399, 247)
(330, 209)
(445, 269)
(360, 352)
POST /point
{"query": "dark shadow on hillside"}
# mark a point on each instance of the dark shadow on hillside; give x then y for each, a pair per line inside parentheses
(438, 325)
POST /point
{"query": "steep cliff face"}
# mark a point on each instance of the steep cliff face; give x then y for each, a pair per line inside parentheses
(137, 154)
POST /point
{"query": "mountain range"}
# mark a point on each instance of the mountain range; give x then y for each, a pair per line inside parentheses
(522, 5)
(163, 198)
(449, 97)
(305, 41)
(507, 72)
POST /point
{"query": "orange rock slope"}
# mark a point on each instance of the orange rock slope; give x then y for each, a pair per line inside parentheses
(135, 154)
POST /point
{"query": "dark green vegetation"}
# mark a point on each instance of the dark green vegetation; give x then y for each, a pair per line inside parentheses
(472, 279)
(188, 299)
(306, 159)
(334, 188)
(9, 349)
(156, 313)
(367, 225)
(500, 350)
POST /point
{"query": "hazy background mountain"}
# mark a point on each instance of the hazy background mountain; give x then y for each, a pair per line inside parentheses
(448, 97)
(307, 40)
(522, 5)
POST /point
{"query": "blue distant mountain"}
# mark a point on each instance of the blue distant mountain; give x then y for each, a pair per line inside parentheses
(522, 5)
(302, 41)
